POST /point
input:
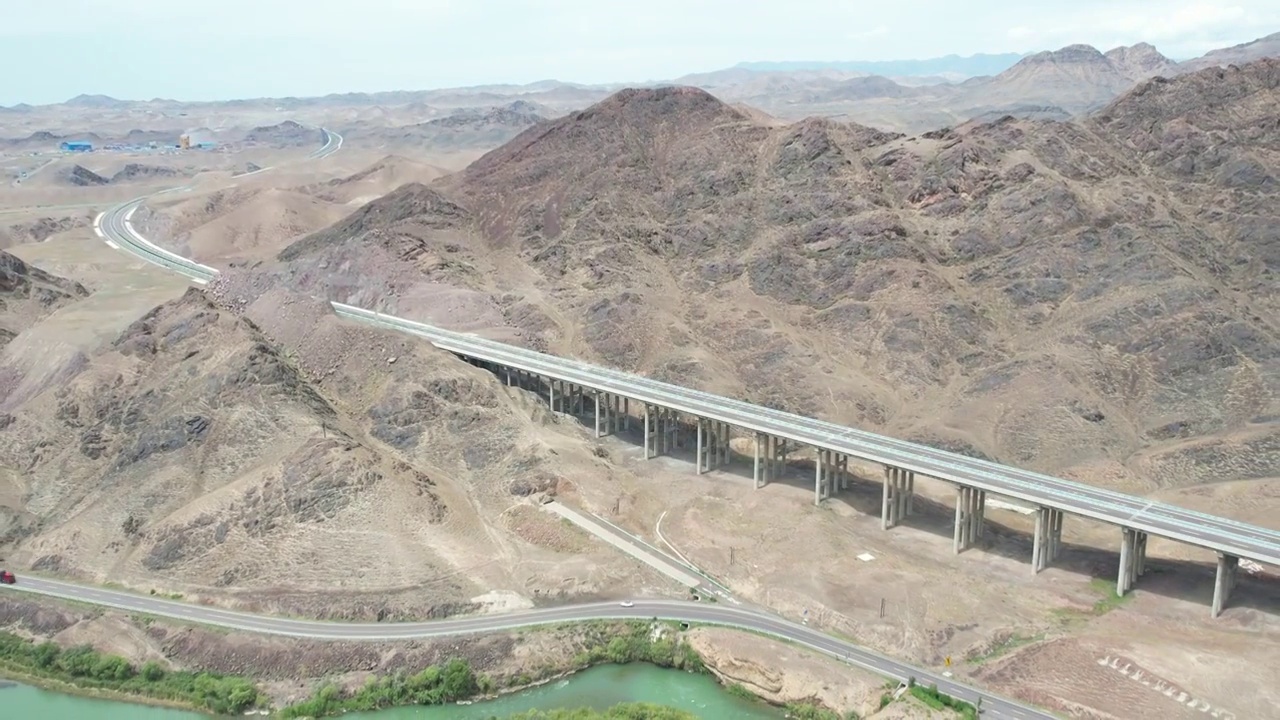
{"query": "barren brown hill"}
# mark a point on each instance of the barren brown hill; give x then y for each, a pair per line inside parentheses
(237, 225)
(28, 294)
(465, 129)
(328, 470)
(1055, 295)
(1263, 47)
(1077, 78)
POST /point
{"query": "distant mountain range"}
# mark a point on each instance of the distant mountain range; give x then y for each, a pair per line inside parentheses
(949, 66)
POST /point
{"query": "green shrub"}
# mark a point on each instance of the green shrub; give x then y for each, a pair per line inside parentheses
(83, 666)
(434, 685)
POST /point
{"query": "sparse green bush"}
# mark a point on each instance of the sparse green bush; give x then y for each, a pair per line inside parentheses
(434, 685)
(938, 700)
(85, 667)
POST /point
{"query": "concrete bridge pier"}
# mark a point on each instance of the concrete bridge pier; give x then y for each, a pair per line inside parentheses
(713, 444)
(971, 504)
(614, 422)
(720, 444)
(824, 471)
(705, 442)
(650, 432)
(1133, 559)
(1225, 581)
(551, 393)
(606, 408)
(842, 473)
(1047, 541)
(899, 487)
(766, 456)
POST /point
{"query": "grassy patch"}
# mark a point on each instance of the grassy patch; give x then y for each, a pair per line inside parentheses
(805, 711)
(636, 642)
(1108, 602)
(435, 685)
(941, 701)
(84, 667)
(1013, 642)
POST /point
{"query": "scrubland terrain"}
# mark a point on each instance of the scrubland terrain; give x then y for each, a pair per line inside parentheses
(1095, 297)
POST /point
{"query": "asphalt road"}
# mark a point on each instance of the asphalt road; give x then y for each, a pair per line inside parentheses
(1162, 519)
(332, 144)
(684, 611)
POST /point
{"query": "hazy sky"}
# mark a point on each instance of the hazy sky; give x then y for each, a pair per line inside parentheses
(52, 50)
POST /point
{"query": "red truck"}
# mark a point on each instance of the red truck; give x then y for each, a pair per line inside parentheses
(7, 577)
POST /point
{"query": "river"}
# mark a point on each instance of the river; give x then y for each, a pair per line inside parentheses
(598, 687)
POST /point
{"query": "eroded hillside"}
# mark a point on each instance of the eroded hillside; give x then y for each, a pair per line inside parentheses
(302, 462)
(1074, 297)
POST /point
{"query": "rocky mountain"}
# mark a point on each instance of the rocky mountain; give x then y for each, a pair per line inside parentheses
(1077, 78)
(317, 467)
(284, 134)
(1096, 297)
(28, 293)
(469, 128)
(1263, 47)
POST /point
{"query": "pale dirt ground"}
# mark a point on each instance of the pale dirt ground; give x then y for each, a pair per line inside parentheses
(778, 671)
(939, 605)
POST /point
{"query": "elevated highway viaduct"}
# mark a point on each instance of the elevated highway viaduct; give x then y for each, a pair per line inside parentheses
(671, 416)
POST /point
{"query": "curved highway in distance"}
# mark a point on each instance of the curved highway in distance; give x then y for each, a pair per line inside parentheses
(675, 610)
(332, 144)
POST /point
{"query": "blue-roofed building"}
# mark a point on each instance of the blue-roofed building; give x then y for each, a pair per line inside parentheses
(75, 146)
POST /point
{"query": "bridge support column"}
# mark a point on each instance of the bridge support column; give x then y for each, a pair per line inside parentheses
(779, 466)
(673, 430)
(650, 437)
(825, 468)
(970, 513)
(597, 403)
(899, 486)
(1133, 559)
(755, 474)
(703, 456)
(1225, 581)
(722, 444)
(1047, 542)
(551, 394)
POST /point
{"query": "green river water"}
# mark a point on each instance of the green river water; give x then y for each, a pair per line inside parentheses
(598, 687)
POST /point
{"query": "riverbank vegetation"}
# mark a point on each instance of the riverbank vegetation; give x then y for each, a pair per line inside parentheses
(623, 711)
(637, 641)
(434, 685)
(84, 667)
(605, 642)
